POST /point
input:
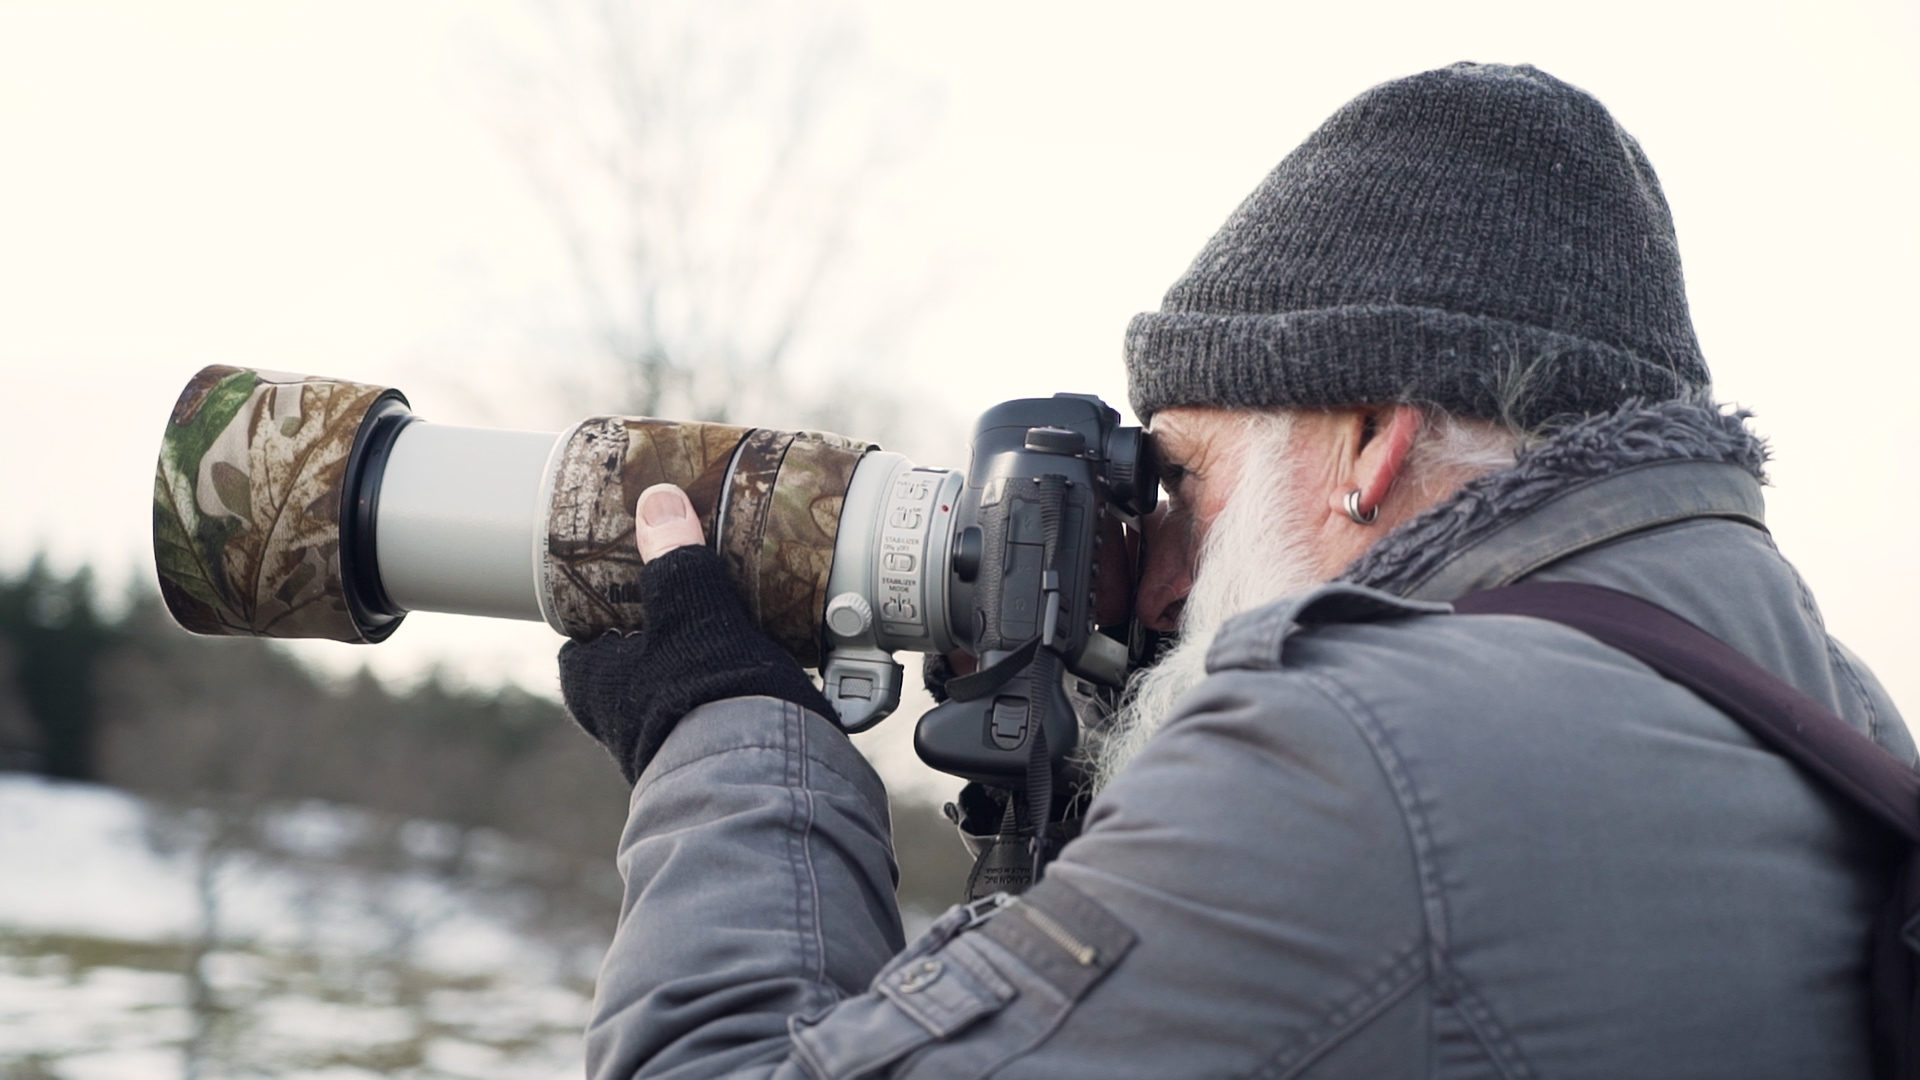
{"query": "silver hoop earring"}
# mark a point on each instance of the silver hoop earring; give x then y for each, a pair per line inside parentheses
(1353, 509)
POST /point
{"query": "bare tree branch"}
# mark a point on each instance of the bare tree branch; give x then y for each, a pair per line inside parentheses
(702, 164)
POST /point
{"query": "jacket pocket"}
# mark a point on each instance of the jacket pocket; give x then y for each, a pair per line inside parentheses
(986, 984)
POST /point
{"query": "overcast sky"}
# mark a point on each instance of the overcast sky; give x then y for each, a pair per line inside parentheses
(325, 188)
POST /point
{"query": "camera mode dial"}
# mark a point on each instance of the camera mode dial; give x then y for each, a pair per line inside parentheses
(1056, 440)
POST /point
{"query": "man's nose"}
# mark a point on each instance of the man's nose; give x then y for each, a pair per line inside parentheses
(1165, 577)
(1160, 605)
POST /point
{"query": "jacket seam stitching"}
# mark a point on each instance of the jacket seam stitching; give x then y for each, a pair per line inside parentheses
(1804, 596)
(853, 782)
(1433, 897)
(779, 747)
(1478, 1018)
(776, 747)
(1852, 675)
(807, 891)
(1448, 982)
(809, 1063)
(1366, 1012)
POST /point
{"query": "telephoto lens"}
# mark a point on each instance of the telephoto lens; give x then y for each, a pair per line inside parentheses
(298, 506)
(295, 506)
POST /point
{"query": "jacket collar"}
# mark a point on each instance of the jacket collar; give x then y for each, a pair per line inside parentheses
(1639, 467)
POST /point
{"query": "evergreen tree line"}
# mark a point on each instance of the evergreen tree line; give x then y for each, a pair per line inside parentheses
(238, 726)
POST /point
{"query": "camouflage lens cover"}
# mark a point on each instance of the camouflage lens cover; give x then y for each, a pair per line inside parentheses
(592, 569)
(781, 517)
(247, 503)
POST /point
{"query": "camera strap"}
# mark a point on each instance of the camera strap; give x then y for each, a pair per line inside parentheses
(994, 823)
(1039, 792)
(1792, 724)
(1038, 657)
(995, 675)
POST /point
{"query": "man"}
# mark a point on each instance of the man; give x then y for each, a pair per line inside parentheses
(1443, 347)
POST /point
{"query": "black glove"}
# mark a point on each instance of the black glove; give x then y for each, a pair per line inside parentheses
(699, 645)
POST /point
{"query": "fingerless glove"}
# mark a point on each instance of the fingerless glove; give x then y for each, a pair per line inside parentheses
(699, 645)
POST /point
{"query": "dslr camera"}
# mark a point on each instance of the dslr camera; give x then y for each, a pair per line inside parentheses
(297, 506)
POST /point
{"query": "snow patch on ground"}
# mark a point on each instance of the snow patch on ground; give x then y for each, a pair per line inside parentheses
(79, 860)
(324, 972)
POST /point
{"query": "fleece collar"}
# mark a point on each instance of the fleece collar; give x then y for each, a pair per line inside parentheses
(1638, 467)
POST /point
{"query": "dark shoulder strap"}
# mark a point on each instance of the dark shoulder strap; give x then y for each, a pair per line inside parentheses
(1773, 711)
(1792, 724)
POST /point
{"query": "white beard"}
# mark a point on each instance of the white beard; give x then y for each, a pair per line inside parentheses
(1254, 553)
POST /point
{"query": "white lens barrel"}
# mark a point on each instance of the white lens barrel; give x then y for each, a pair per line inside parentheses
(458, 516)
(896, 527)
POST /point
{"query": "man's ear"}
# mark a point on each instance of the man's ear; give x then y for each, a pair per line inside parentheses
(1382, 454)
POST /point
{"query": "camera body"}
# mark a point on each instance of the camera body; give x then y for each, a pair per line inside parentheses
(998, 562)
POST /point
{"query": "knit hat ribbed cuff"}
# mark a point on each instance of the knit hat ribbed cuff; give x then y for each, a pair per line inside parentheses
(1381, 353)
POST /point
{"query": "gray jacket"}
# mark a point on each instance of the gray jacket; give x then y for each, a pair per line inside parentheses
(1377, 842)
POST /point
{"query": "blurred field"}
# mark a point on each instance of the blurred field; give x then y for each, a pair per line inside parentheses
(124, 954)
(239, 868)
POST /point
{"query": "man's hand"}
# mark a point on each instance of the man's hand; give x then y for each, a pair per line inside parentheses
(699, 644)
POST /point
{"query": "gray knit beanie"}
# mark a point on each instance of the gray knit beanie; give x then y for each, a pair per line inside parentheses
(1481, 238)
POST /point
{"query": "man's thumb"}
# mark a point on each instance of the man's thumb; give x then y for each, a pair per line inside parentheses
(664, 520)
